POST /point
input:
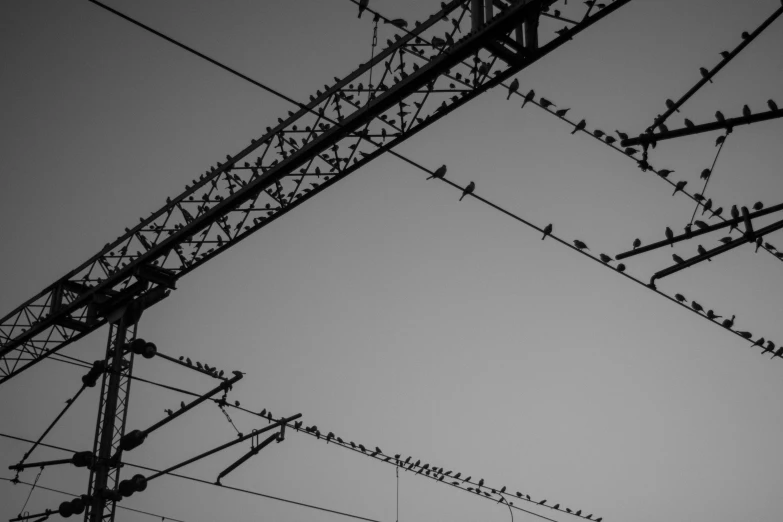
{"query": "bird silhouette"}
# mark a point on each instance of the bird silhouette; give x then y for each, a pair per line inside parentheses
(679, 297)
(399, 23)
(759, 242)
(701, 250)
(670, 236)
(696, 306)
(637, 243)
(579, 126)
(580, 245)
(621, 267)
(578, 513)
(711, 315)
(605, 258)
(769, 348)
(759, 342)
(772, 105)
(678, 259)
(746, 335)
(623, 136)
(188, 361)
(468, 190)
(679, 187)
(481, 482)
(705, 74)
(758, 205)
(728, 323)
(439, 173)
(746, 111)
(689, 123)
(718, 211)
(720, 140)
(725, 54)
(719, 116)
(362, 6)
(725, 240)
(664, 173)
(705, 174)
(529, 97)
(700, 224)
(745, 35)
(598, 133)
(545, 104)
(562, 112)
(542, 503)
(547, 231)
(671, 106)
(610, 139)
(514, 87)
(169, 412)
(779, 353)
(556, 506)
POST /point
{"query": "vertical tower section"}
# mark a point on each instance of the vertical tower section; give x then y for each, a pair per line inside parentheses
(112, 415)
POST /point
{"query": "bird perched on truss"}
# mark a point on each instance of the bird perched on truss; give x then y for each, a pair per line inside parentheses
(671, 106)
(705, 74)
(468, 190)
(678, 259)
(669, 236)
(772, 105)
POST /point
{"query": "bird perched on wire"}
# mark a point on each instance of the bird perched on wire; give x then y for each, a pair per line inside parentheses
(711, 315)
(671, 106)
(362, 6)
(664, 173)
(605, 258)
(545, 104)
(468, 190)
(678, 259)
(701, 250)
(705, 74)
(696, 306)
(770, 347)
(610, 139)
(547, 231)
(399, 23)
(514, 87)
(728, 323)
(529, 97)
(679, 297)
(439, 173)
(621, 267)
(670, 236)
(705, 174)
(719, 116)
(637, 243)
(580, 245)
(562, 112)
(579, 126)
(679, 186)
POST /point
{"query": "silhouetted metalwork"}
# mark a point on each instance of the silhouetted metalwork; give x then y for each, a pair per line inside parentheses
(708, 75)
(224, 206)
(729, 124)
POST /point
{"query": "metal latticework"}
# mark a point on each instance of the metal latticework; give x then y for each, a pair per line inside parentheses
(431, 70)
(112, 414)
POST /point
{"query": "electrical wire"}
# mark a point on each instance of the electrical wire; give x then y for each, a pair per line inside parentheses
(161, 517)
(712, 171)
(202, 481)
(35, 483)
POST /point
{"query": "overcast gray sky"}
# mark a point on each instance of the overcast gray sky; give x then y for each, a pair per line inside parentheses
(383, 309)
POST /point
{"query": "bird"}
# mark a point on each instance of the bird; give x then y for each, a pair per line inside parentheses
(670, 236)
(705, 74)
(468, 190)
(580, 245)
(671, 106)
(664, 173)
(701, 250)
(720, 140)
(362, 6)
(725, 54)
(188, 361)
(719, 116)
(772, 105)
(746, 335)
(678, 259)
(679, 186)
(705, 174)
(399, 22)
(621, 267)
(728, 323)
(562, 112)
(481, 482)
(735, 214)
(598, 133)
(556, 506)
(689, 123)
(745, 35)
(547, 231)
(746, 111)
(637, 243)
(725, 240)
(759, 242)
(513, 88)
(623, 136)
(770, 347)
(529, 97)
(759, 342)
(605, 258)
(779, 353)
(169, 412)
(679, 297)
(696, 306)
(758, 205)
(610, 139)
(545, 103)
(718, 211)
(439, 173)
(711, 315)
(542, 503)
(631, 151)
(182, 404)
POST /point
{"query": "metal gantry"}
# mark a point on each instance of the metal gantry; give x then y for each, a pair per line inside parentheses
(342, 128)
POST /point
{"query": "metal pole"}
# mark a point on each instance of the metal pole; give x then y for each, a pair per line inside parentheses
(477, 13)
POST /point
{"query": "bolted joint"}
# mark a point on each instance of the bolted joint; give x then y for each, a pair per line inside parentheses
(132, 440)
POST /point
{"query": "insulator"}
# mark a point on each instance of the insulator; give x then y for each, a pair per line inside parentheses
(139, 482)
(132, 440)
(77, 505)
(126, 488)
(82, 459)
(137, 346)
(149, 351)
(66, 509)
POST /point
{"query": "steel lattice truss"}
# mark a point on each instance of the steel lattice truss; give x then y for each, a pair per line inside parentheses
(416, 80)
